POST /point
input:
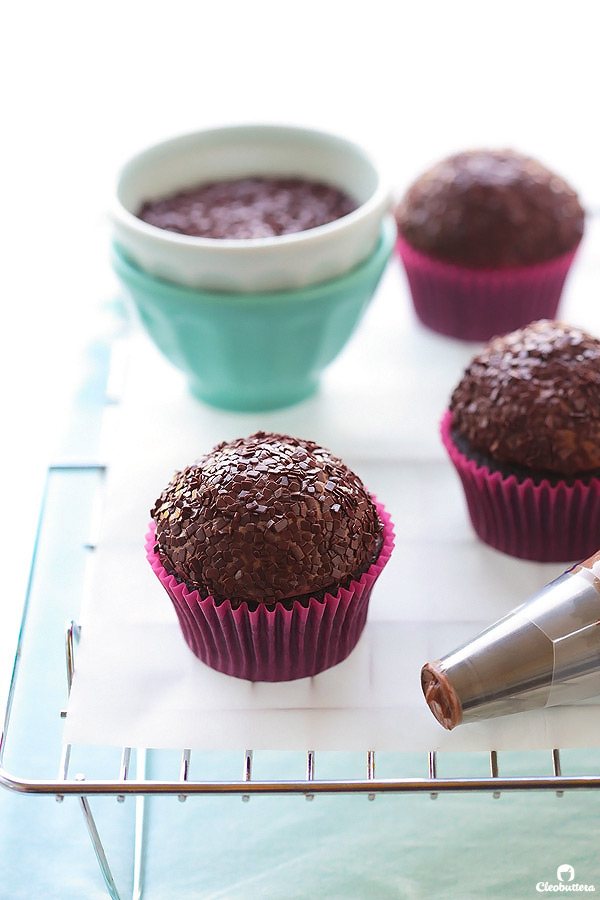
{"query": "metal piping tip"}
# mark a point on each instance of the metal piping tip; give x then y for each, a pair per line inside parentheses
(546, 652)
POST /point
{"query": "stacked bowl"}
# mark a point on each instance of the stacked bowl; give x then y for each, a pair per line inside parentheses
(252, 321)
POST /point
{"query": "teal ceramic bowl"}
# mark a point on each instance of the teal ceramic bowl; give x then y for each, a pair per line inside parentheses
(249, 352)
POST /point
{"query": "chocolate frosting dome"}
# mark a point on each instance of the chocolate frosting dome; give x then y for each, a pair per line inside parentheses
(266, 518)
(532, 398)
(491, 209)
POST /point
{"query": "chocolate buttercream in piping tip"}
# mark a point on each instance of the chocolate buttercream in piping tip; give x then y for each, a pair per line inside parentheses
(544, 653)
(441, 697)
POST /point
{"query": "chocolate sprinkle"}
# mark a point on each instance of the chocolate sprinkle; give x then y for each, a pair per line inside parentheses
(532, 399)
(248, 208)
(491, 209)
(264, 519)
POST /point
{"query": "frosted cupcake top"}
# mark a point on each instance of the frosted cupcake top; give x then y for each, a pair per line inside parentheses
(532, 398)
(266, 518)
(491, 209)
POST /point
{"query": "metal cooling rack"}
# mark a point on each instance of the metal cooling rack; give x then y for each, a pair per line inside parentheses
(132, 777)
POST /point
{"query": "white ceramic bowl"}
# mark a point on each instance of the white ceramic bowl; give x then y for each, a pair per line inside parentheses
(259, 264)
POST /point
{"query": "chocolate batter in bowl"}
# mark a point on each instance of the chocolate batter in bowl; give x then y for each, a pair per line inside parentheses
(247, 208)
(332, 187)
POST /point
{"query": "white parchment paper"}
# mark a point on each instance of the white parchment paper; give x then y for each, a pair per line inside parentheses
(136, 682)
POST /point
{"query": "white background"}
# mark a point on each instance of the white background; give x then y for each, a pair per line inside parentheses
(86, 85)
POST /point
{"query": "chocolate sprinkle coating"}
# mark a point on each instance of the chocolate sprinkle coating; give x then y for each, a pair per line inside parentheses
(243, 208)
(532, 398)
(491, 209)
(264, 519)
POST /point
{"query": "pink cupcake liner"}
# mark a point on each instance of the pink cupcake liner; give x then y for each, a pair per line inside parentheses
(476, 304)
(275, 644)
(540, 522)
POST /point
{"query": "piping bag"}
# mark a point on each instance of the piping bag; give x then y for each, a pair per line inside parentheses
(545, 652)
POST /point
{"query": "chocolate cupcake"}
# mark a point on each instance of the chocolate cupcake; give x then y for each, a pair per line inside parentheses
(523, 431)
(269, 547)
(487, 238)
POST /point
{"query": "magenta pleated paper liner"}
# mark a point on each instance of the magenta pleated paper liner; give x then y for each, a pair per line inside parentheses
(476, 304)
(542, 522)
(275, 644)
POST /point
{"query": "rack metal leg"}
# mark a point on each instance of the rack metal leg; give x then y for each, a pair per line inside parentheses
(99, 850)
(139, 845)
(71, 635)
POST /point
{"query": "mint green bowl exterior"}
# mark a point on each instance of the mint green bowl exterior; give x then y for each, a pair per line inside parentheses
(250, 352)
